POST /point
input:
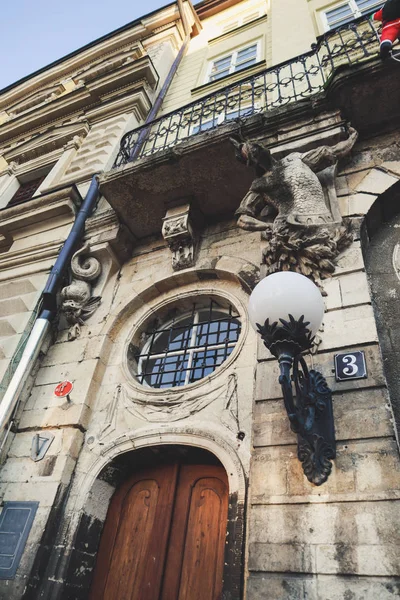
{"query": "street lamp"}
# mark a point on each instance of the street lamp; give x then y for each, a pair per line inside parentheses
(287, 310)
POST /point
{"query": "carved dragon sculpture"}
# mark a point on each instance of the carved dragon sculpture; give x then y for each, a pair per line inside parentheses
(304, 236)
(78, 304)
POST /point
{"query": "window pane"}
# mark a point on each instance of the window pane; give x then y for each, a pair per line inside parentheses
(243, 65)
(204, 363)
(221, 64)
(247, 53)
(246, 57)
(366, 6)
(167, 371)
(175, 338)
(340, 15)
(219, 74)
(204, 126)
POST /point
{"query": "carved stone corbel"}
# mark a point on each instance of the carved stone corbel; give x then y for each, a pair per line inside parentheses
(78, 304)
(178, 232)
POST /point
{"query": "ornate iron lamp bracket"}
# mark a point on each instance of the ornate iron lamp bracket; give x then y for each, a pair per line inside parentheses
(310, 408)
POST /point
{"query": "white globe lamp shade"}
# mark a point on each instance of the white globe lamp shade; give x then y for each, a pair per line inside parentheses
(286, 293)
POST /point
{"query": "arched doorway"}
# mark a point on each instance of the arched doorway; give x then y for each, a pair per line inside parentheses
(381, 248)
(165, 531)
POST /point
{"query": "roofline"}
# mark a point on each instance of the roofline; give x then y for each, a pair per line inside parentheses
(86, 47)
(208, 8)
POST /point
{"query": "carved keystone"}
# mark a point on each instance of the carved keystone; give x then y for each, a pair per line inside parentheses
(179, 234)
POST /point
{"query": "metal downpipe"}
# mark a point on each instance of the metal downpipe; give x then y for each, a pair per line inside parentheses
(22, 372)
(49, 309)
(165, 87)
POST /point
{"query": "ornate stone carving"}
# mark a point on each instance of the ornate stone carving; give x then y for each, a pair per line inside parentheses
(230, 415)
(178, 232)
(292, 202)
(78, 304)
(174, 406)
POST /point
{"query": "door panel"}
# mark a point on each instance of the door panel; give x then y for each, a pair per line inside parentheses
(195, 557)
(164, 536)
(132, 549)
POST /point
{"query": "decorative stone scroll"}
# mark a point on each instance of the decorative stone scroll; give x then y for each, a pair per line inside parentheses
(293, 203)
(78, 304)
(179, 234)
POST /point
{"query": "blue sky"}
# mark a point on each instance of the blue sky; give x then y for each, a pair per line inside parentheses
(34, 33)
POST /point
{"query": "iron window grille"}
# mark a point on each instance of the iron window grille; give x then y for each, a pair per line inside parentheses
(188, 347)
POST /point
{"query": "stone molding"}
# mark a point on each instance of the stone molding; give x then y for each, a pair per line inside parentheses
(156, 436)
(178, 232)
(59, 137)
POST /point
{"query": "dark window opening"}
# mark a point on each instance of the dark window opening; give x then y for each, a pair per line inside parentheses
(26, 191)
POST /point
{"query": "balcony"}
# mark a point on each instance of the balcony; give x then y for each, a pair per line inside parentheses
(307, 97)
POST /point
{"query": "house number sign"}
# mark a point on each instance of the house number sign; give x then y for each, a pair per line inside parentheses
(350, 365)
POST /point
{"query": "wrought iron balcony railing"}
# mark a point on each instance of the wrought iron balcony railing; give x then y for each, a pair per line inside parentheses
(287, 82)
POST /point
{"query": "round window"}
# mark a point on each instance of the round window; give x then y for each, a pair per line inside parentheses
(186, 346)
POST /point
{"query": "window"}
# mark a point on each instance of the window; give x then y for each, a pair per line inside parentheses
(222, 118)
(236, 61)
(347, 11)
(26, 191)
(188, 347)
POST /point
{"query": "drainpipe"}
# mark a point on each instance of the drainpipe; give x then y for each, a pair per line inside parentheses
(168, 80)
(49, 308)
(49, 296)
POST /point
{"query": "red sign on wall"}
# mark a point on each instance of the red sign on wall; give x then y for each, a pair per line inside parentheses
(63, 389)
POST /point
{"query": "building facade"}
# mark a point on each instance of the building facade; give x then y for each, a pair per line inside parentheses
(168, 469)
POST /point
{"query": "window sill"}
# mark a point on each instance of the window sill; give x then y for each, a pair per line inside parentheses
(212, 86)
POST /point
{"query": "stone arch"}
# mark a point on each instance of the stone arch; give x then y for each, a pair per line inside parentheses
(380, 237)
(150, 437)
(98, 483)
(227, 268)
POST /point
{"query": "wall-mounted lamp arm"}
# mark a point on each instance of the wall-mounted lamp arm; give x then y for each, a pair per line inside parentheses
(310, 409)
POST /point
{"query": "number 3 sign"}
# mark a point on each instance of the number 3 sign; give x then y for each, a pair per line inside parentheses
(350, 366)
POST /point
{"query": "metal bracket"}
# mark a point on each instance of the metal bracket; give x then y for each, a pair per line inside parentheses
(310, 409)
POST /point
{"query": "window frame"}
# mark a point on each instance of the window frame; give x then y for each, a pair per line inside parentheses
(233, 54)
(223, 118)
(356, 12)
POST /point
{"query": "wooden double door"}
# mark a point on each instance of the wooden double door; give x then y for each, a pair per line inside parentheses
(164, 536)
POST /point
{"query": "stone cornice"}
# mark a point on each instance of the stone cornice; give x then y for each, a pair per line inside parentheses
(60, 202)
(132, 33)
(47, 141)
(82, 97)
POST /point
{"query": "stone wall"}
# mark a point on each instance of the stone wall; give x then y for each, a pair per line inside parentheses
(339, 540)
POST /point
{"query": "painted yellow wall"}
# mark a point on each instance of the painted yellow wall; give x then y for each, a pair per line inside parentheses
(292, 29)
(316, 8)
(211, 44)
(287, 29)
